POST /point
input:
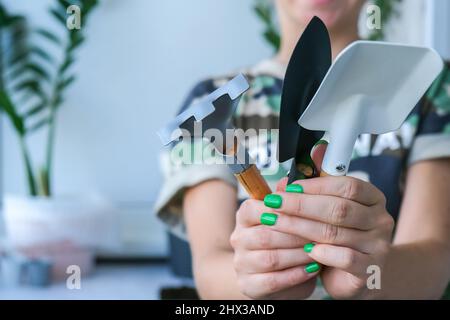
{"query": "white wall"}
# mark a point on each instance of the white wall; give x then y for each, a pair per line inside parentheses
(438, 26)
(409, 26)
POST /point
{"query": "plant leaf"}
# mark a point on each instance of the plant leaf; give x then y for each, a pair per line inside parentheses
(65, 83)
(49, 36)
(58, 100)
(31, 85)
(10, 110)
(41, 53)
(76, 39)
(19, 31)
(25, 97)
(263, 12)
(65, 4)
(34, 110)
(3, 15)
(18, 57)
(87, 6)
(38, 125)
(273, 37)
(30, 67)
(58, 15)
(37, 69)
(66, 64)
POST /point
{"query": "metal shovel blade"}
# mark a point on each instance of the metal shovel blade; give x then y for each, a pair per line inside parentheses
(307, 67)
(371, 88)
(215, 111)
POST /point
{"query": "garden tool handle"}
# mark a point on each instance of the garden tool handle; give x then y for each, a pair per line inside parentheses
(253, 182)
(324, 174)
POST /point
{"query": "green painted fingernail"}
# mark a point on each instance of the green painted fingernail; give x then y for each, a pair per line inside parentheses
(273, 201)
(269, 219)
(312, 267)
(308, 247)
(294, 188)
(321, 142)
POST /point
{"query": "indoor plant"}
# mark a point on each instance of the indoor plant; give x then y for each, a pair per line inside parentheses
(32, 86)
(30, 72)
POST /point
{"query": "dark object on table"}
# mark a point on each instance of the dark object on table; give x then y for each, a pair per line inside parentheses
(180, 257)
(39, 272)
(181, 293)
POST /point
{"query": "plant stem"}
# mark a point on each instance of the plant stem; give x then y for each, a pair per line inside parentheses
(2, 82)
(54, 103)
(29, 170)
(46, 183)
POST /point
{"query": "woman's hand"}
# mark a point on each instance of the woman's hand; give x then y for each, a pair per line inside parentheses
(269, 264)
(348, 225)
(345, 271)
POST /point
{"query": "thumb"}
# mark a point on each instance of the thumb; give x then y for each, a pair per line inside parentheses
(318, 152)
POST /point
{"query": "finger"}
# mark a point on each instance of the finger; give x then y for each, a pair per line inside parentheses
(344, 187)
(343, 258)
(326, 233)
(298, 292)
(273, 282)
(261, 237)
(252, 210)
(333, 210)
(281, 185)
(318, 153)
(263, 261)
(249, 213)
(327, 209)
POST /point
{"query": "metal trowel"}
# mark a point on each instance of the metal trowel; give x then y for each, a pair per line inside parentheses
(371, 88)
(309, 63)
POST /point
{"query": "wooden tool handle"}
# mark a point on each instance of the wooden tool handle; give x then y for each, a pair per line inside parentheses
(324, 174)
(254, 183)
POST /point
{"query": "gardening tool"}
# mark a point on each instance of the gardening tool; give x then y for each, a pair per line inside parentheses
(210, 118)
(370, 88)
(307, 67)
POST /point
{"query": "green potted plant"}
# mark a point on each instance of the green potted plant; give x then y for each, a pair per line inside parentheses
(33, 83)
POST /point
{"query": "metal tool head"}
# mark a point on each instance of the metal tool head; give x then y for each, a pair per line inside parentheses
(214, 111)
(307, 67)
(371, 88)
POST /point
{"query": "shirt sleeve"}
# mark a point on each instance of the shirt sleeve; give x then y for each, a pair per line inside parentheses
(179, 175)
(432, 140)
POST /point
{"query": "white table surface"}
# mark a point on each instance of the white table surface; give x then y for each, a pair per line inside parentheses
(115, 281)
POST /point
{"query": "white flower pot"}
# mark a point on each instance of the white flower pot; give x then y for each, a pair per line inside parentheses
(65, 231)
(86, 222)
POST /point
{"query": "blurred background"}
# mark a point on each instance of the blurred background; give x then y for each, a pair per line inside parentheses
(133, 68)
